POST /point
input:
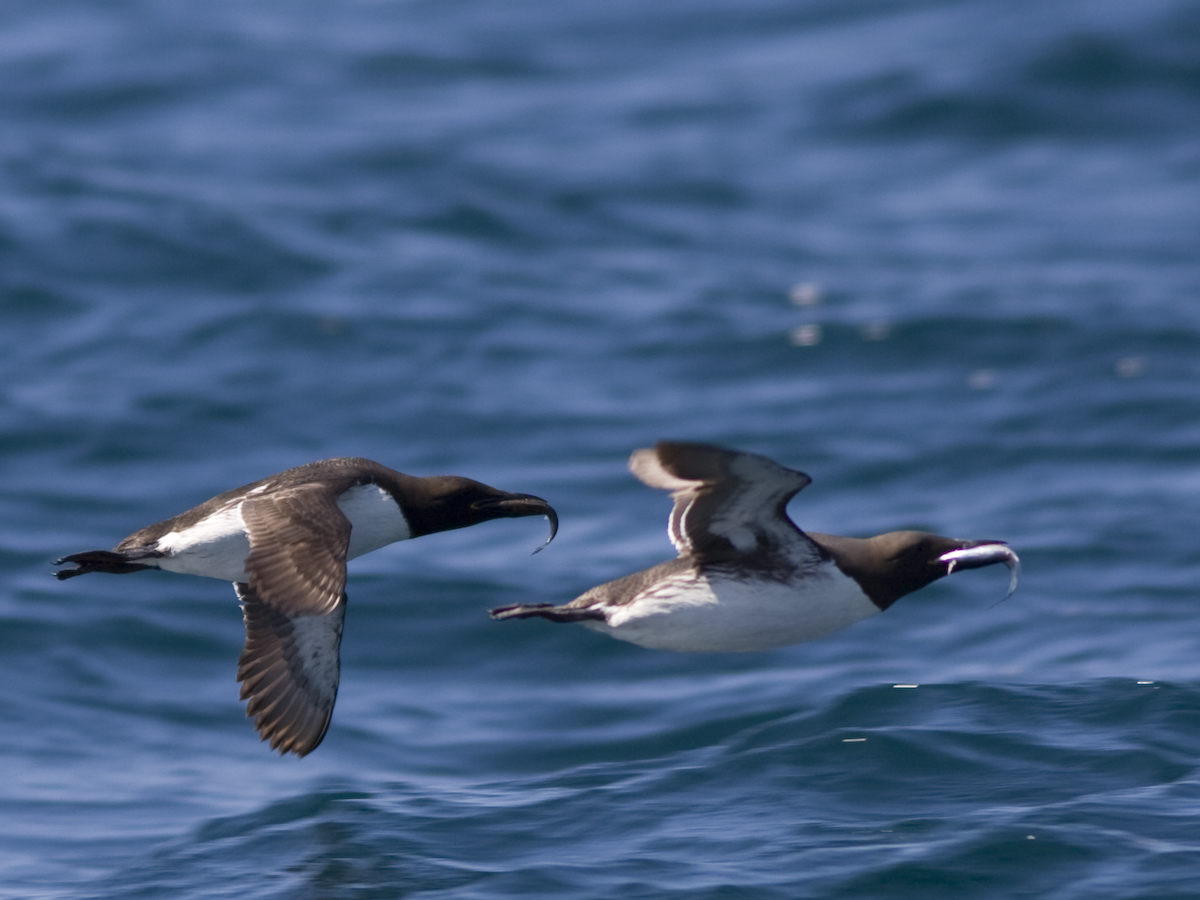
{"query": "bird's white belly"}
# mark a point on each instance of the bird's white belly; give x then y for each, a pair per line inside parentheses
(707, 614)
(215, 547)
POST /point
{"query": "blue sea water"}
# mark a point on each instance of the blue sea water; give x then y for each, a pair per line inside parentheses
(942, 256)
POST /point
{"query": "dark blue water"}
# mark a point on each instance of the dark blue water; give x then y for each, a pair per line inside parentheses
(943, 256)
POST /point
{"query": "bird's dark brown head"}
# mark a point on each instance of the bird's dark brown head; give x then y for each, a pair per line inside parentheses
(446, 502)
(891, 565)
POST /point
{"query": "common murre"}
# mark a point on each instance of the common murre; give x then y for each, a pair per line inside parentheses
(746, 577)
(284, 542)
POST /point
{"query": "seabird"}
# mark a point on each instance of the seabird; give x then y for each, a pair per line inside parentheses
(284, 542)
(746, 577)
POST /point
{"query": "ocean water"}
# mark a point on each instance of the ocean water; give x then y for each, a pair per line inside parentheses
(942, 256)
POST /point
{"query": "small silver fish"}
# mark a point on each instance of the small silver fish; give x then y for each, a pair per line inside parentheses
(984, 555)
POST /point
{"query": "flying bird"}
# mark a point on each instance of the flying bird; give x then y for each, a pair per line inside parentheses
(746, 577)
(284, 542)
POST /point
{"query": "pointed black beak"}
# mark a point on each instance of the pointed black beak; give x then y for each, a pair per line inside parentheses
(515, 506)
(977, 554)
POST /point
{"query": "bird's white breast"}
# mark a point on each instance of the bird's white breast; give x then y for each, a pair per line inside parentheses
(375, 519)
(716, 613)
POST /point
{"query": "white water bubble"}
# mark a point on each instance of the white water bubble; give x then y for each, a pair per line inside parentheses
(807, 293)
(806, 335)
(1130, 366)
(982, 379)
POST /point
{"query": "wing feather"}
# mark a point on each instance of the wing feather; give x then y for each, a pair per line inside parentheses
(727, 503)
(289, 671)
(298, 543)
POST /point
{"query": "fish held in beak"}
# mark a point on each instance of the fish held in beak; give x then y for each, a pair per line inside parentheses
(518, 505)
(985, 553)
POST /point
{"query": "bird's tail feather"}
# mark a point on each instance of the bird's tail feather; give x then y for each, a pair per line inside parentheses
(110, 561)
(546, 611)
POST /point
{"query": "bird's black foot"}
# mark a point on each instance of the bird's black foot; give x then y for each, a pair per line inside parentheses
(97, 561)
(547, 611)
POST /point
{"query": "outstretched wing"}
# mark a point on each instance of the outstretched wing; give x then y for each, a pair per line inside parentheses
(298, 543)
(289, 671)
(727, 503)
(294, 606)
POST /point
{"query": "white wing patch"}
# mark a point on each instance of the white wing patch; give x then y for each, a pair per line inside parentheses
(318, 639)
(649, 470)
